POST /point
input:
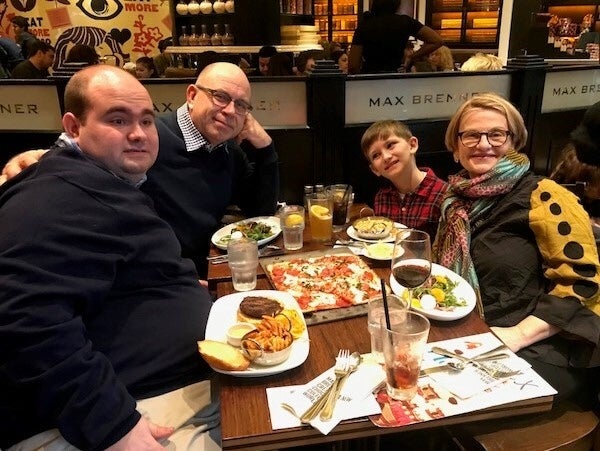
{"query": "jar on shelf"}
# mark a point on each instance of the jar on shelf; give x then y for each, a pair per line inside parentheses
(215, 39)
(181, 8)
(206, 7)
(184, 38)
(227, 38)
(194, 39)
(204, 38)
(194, 7)
(219, 6)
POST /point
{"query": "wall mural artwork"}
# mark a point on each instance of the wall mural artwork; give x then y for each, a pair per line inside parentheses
(119, 30)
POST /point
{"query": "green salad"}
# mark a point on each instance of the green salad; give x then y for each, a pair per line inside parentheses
(255, 230)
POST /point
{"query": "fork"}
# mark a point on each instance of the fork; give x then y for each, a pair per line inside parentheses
(342, 364)
(493, 372)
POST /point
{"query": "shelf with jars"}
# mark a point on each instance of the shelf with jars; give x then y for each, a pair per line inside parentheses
(465, 23)
(336, 20)
(245, 22)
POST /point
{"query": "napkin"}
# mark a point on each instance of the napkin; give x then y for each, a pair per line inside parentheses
(287, 404)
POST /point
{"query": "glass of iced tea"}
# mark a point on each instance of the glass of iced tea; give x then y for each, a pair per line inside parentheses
(342, 194)
(320, 215)
(403, 348)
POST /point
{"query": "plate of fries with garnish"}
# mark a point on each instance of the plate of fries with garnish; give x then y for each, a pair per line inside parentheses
(278, 342)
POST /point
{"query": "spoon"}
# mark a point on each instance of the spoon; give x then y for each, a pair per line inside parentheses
(327, 412)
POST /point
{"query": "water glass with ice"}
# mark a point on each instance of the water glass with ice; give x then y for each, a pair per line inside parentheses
(242, 255)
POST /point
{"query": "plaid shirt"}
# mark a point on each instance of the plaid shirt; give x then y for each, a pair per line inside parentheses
(419, 209)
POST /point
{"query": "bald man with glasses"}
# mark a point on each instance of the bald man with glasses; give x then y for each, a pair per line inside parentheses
(201, 168)
(213, 153)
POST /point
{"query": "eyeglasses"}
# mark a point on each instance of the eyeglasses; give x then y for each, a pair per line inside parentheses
(222, 99)
(496, 138)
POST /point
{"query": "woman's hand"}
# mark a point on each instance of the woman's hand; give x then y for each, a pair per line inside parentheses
(529, 331)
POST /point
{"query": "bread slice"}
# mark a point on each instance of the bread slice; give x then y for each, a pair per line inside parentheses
(222, 356)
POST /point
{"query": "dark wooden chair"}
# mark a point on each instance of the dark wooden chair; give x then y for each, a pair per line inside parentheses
(565, 428)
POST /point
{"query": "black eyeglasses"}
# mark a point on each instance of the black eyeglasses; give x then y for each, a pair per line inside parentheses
(222, 99)
(496, 138)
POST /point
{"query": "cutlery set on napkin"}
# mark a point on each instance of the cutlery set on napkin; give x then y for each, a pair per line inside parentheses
(289, 405)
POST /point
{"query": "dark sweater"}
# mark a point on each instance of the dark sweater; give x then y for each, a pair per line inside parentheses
(96, 308)
(191, 190)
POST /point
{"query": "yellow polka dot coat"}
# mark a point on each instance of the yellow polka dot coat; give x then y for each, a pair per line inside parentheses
(535, 254)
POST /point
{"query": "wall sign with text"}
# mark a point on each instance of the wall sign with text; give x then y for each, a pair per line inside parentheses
(29, 107)
(416, 98)
(571, 90)
(276, 104)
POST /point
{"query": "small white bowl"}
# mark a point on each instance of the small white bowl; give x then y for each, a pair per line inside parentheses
(262, 357)
(236, 332)
(380, 250)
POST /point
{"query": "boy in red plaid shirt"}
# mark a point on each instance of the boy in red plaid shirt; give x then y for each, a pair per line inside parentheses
(413, 195)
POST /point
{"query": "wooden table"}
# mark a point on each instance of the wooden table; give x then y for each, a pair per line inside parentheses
(245, 422)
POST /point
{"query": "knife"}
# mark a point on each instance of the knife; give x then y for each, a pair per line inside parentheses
(474, 361)
(268, 253)
(481, 358)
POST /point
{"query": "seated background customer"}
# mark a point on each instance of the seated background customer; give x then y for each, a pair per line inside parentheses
(99, 314)
(481, 62)
(526, 246)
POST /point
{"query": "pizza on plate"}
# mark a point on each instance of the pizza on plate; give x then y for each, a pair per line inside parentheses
(325, 282)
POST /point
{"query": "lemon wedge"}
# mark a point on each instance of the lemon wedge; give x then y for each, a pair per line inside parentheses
(320, 212)
(294, 220)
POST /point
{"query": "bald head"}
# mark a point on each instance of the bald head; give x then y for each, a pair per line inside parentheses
(77, 99)
(224, 71)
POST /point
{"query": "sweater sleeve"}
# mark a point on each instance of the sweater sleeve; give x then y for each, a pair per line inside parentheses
(570, 260)
(58, 256)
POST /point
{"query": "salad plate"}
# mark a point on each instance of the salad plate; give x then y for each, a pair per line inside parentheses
(462, 291)
(271, 223)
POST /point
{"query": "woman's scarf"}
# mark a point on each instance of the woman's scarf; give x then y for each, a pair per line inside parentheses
(467, 201)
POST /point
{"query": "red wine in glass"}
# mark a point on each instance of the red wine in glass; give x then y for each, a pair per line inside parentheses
(411, 261)
(411, 275)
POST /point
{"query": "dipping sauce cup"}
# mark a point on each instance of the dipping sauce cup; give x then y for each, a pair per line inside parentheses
(320, 214)
(403, 348)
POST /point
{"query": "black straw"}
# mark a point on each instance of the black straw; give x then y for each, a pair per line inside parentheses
(386, 309)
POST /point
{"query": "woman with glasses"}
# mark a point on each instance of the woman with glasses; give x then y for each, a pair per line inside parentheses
(526, 246)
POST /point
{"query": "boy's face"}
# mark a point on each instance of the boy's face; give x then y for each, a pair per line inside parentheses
(392, 156)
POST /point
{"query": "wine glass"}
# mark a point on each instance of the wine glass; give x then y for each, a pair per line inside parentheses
(411, 260)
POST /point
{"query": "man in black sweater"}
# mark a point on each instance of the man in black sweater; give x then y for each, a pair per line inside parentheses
(99, 314)
(201, 168)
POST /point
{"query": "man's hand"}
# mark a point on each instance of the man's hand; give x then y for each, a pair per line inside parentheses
(19, 162)
(254, 133)
(143, 436)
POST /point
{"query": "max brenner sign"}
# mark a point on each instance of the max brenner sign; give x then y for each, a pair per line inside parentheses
(416, 98)
(571, 90)
(276, 104)
(29, 108)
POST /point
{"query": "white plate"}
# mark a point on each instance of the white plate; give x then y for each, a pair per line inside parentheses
(462, 291)
(364, 251)
(272, 221)
(351, 231)
(223, 314)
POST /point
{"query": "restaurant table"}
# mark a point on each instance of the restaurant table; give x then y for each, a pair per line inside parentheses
(245, 420)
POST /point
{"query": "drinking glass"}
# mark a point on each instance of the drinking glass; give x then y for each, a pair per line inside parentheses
(411, 260)
(403, 348)
(242, 255)
(397, 308)
(292, 224)
(320, 214)
(341, 194)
